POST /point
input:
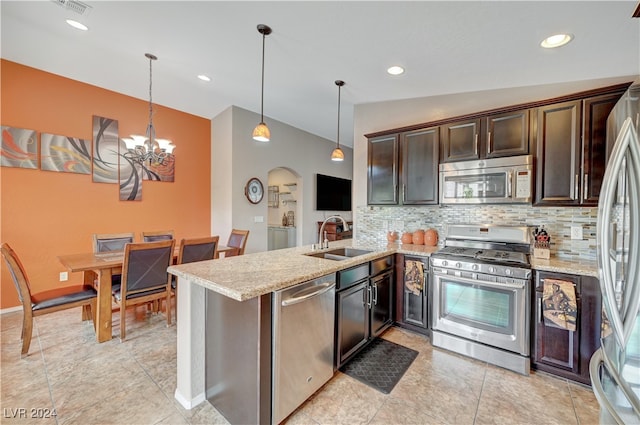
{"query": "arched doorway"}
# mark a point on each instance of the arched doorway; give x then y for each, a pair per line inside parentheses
(284, 197)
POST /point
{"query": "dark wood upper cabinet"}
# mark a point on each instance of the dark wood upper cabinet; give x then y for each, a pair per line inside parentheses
(507, 134)
(403, 169)
(596, 111)
(493, 136)
(460, 140)
(571, 151)
(382, 170)
(419, 167)
(558, 154)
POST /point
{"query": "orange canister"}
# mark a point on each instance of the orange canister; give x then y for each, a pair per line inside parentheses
(418, 237)
(407, 238)
(431, 237)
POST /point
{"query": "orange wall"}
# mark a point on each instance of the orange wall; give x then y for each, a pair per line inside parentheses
(45, 214)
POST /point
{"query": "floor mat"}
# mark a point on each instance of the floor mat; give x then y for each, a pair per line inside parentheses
(380, 365)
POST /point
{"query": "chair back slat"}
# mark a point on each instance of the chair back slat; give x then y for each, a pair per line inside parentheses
(111, 242)
(18, 274)
(145, 266)
(237, 239)
(161, 235)
(201, 249)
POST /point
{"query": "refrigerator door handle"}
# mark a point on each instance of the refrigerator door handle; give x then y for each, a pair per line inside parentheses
(622, 318)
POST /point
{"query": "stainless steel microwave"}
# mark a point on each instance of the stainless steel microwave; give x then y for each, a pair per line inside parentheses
(507, 180)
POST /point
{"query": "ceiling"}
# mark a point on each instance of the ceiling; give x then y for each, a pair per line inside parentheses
(446, 47)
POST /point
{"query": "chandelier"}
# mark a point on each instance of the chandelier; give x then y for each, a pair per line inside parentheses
(148, 149)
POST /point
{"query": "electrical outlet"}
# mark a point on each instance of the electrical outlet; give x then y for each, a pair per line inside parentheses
(576, 232)
(258, 219)
(385, 225)
(64, 276)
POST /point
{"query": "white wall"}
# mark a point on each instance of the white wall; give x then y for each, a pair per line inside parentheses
(236, 158)
(380, 116)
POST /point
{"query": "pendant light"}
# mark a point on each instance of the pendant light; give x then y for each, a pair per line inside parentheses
(148, 148)
(337, 154)
(261, 133)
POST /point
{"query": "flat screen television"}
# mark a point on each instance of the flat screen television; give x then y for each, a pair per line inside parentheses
(332, 193)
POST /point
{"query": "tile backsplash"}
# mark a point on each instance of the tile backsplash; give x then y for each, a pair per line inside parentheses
(373, 222)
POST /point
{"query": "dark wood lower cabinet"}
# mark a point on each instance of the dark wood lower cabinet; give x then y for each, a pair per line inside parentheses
(560, 351)
(364, 306)
(412, 310)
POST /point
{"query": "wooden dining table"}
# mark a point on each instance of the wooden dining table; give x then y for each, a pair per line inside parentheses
(100, 267)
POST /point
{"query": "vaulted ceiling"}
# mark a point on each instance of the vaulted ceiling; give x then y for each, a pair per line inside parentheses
(445, 47)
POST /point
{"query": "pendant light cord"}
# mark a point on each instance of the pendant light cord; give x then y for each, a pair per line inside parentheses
(262, 92)
(150, 130)
(338, 136)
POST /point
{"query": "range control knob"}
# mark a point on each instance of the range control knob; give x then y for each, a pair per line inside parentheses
(492, 269)
(458, 265)
(475, 267)
(445, 263)
(507, 272)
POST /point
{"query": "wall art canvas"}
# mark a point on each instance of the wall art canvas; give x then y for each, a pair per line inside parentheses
(63, 153)
(105, 150)
(19, 148)
(131, 172)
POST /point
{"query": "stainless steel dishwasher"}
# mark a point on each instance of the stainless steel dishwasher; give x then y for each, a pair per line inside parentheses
(303, 343)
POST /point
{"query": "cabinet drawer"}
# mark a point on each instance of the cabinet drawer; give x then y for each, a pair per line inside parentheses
(348, 277)
(381, 264)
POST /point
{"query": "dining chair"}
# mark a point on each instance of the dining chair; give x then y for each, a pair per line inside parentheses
(238, 240)
(160, 235)
(193, 250)
(45, 302)
(144, 277)
(111, 242)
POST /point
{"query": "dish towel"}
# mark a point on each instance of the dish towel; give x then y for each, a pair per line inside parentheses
(559, 304)
(414, 276)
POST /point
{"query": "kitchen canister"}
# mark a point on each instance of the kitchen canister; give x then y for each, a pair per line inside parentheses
(418, 237)
(431, 237)
(407, 238)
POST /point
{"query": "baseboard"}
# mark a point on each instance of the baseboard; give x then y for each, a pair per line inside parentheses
(189, 404)
(10, 309)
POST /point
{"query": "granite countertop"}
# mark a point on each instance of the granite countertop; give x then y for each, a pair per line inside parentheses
(252, 275)
(565, 265)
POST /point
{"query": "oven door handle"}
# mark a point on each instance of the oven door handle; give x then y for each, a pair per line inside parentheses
(520, 285)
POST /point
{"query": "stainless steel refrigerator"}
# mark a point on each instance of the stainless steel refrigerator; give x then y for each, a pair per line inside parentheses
(615, 367)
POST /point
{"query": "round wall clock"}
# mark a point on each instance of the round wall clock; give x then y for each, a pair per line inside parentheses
(254, 191)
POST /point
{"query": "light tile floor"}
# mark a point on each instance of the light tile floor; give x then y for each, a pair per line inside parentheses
(133, 383)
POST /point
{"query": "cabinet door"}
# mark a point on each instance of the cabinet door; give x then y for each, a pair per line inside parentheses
(352, 319)
(414, 306)
(556, 347)
(590, 323)
(460, 140)
(381, 303)
(507, 134)
(596, 111)
(419, 166)
(382, 171)
(558, 154)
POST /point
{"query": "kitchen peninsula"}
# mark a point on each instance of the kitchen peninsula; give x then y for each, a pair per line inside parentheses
(224, 323)
(224, 315)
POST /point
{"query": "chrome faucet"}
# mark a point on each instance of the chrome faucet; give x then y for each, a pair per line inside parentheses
(325, 244)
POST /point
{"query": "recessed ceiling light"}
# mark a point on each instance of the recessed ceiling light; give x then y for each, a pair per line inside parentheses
(77, 25)
(395, 70)
(204, 77)
(556, 40)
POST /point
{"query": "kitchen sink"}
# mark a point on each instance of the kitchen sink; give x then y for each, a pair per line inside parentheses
(340, 253)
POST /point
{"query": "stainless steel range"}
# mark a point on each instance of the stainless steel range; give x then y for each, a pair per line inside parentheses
(481, 294)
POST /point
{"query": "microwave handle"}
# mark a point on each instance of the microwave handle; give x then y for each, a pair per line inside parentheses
(509, 182)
